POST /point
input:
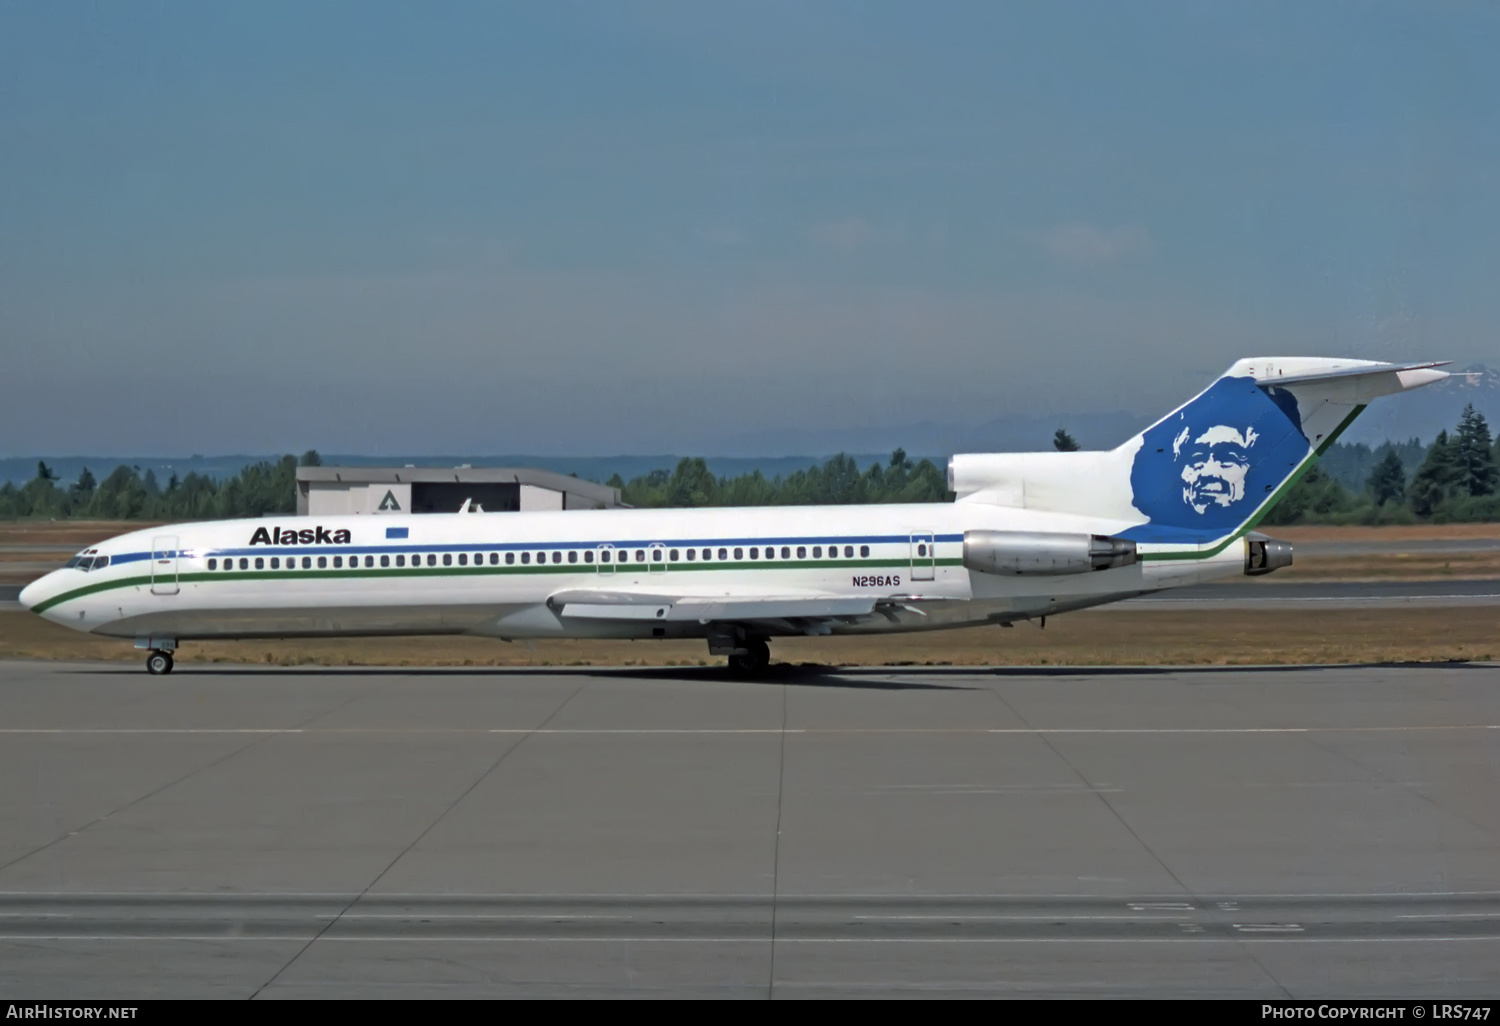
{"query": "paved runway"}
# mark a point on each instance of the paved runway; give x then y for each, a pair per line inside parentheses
(265, 832)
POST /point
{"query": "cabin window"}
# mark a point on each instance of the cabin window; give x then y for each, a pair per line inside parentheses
(640, 555)
(431, 559)
(572, 555)
(786, 552)
(864, 550)
(213, 564)
(322, 562)
(275, 562)
(604, 555)
(228, 564)
(510, 558)
(463, 559)
(708, 554)
(801, 551)
(817, 552)
(739, 553)
(848, 551)
(921, 549)
(557, 557)
(588, 556)
(338, 562)
(244, 563)
(385, 560)
(754, 552)
(672, 555)
(541, 557)
(525, 557)
(400, 561)
(692, 554)
(494, 559)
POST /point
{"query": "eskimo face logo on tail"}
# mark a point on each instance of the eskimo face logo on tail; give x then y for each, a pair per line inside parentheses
(1214, 465)
(1211, 464)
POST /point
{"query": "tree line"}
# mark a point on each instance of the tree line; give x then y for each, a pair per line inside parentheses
(269, 486)
(838, 481)
(1456, 478)
(1455, 481)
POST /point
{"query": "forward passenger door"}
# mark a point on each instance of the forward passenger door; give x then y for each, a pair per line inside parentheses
(164, 565)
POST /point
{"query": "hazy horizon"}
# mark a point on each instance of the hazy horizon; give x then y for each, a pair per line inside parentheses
(669, 227)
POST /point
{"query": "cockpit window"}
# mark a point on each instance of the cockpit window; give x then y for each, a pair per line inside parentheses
(86, 560)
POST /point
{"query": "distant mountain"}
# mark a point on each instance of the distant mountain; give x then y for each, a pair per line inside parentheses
(1015, 433)
(1420, 414)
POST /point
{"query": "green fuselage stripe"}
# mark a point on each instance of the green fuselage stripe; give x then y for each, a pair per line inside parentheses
(662, 570)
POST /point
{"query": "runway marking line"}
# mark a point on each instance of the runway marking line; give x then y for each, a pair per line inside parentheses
(739, 730)
(702, 896)
(302, 937)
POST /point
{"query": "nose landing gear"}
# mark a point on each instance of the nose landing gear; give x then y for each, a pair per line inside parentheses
(158, 663)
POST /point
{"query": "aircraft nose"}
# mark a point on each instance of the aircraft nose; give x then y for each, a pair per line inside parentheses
(38, 591)
(30, 595)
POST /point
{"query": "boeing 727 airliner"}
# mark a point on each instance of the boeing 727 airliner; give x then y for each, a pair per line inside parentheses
(1030, 535)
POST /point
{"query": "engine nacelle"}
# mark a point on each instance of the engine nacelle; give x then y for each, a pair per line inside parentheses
(1262, 554)
(1043, 554)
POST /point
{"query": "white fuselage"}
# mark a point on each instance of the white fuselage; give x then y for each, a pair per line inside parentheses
(501, 574)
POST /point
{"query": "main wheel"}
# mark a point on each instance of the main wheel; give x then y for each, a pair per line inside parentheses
(158, 663)
(755, 660)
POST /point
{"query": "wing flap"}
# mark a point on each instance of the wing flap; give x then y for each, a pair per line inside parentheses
(636, 606)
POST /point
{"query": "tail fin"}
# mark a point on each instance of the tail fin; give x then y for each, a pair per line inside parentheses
(1220, 461)
(1209, 469)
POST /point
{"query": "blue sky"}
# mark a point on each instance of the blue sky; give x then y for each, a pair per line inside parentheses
(622, 227)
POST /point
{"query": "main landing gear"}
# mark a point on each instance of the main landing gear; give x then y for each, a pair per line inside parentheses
(754, 660)
(158, 663)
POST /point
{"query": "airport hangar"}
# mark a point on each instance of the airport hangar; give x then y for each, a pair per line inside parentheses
(331, 491)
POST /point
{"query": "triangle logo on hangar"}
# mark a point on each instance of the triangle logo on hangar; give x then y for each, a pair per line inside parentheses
(389, 503)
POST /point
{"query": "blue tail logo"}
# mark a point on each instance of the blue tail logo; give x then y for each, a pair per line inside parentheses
(1210, 465)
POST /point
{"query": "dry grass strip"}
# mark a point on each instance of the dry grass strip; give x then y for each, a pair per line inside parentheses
(1213, 637)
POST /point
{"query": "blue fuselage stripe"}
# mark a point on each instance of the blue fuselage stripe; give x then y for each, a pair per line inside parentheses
(376, 550)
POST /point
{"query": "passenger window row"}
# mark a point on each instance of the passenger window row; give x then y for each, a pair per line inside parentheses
(605, 555)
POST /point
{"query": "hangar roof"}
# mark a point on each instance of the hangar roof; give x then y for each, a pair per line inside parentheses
(462, 475)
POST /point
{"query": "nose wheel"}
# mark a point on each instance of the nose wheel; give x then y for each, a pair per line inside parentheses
(158, 663)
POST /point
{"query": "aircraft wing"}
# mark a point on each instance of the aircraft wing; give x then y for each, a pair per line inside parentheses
(795, 610)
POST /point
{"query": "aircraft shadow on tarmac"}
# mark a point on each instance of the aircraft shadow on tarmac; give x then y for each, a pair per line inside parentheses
(869, 678)
(803, 675)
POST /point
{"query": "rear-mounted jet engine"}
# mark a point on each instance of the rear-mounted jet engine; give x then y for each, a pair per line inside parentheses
(1042, 554)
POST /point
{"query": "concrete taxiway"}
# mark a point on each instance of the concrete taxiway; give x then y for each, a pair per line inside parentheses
(237, 832)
